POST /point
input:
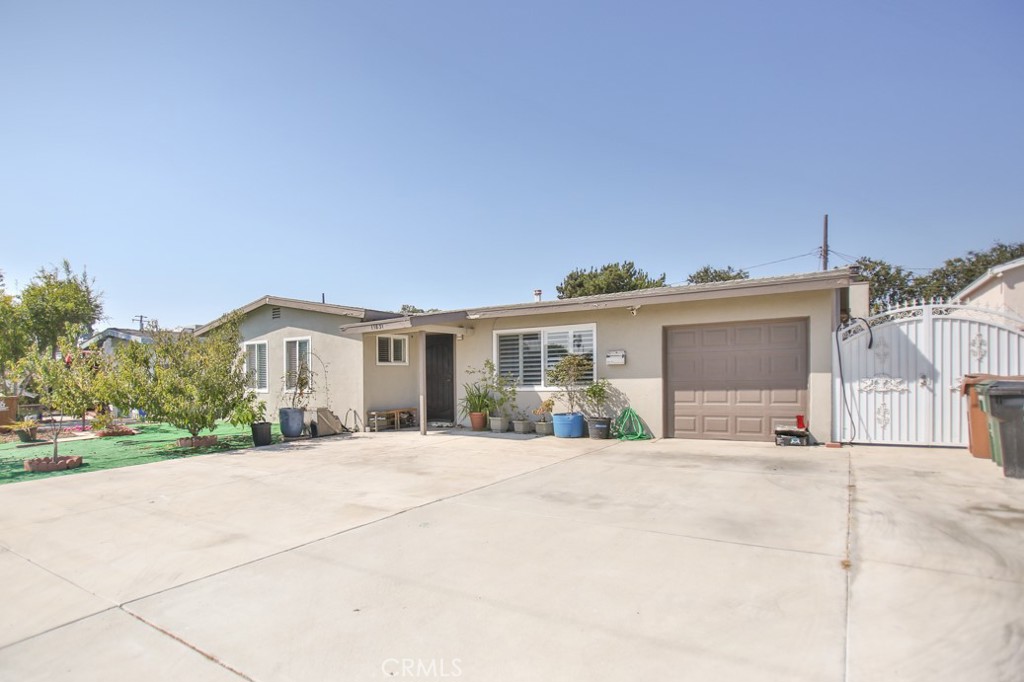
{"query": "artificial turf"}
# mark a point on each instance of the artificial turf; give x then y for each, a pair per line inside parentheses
(153, 443)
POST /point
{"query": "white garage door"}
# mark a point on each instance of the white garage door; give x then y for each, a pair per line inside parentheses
(735, 381)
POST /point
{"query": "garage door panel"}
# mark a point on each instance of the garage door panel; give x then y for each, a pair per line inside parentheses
(684, 397)
(714, 338)
(750, 426)
(750, 366)
(718, 425)
(682, 339)
(785, 397)
(749, 336)
(681, 368)
(686, 425)
(785, 334)
(715, 398)
(750, 397)
(736, 381)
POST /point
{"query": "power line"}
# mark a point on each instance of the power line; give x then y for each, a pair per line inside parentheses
(815, 252)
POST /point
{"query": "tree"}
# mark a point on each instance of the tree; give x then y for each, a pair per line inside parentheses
(947, 280)
(68, 381)
(187, 381)
(708, 274)
(410, 309)
(14, 339)
(890, 285)
(607, 279)
(56, 300)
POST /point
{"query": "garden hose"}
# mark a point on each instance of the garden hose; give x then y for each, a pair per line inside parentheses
(629, 427)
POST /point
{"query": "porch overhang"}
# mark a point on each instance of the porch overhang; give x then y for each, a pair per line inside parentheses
(429, 323)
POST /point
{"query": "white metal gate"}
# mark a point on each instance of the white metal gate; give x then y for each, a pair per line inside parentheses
(897, 375)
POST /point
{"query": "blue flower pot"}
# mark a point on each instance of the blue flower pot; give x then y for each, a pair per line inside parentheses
(568, 425)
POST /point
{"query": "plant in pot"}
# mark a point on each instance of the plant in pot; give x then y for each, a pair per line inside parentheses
(502, 388)
(544, 425)
(569, 375)
(521, 422)
(300, 387)
(25, 430)
(475, 404)
(252, 411)
(596, 396)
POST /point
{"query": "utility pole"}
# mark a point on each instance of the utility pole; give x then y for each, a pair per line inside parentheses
(141, 319)
(824, 246)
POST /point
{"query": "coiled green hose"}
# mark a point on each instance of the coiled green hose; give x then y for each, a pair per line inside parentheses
(629, 427)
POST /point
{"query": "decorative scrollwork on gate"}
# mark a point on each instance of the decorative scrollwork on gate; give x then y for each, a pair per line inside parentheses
(979, 347)
(883, 415)
(883, 385)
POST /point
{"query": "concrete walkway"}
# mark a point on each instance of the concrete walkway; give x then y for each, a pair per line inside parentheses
(385, 556)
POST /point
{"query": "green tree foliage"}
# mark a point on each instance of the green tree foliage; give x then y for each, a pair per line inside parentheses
(952, 276)
(14, 339)
(57, 300)
(69, 381)
(893, 285)
(607, 279)
(188, 381)
(410, 309)
(708, 274)
(890, 285)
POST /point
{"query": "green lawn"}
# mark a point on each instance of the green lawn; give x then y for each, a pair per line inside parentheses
(153, 443)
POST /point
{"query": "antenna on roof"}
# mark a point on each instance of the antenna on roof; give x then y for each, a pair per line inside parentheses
(141, 319)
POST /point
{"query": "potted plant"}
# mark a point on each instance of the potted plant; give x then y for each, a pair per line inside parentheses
(503, 396)
(544, 426)
(521, 422)
(569, 375)
(293, 419)
(596, 397)
(251, 411)
(25, 430)
(476, 404)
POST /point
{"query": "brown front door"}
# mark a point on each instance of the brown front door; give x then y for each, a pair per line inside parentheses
(440, 377)
(735, 381)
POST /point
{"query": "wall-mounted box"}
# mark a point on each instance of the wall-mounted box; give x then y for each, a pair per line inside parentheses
(615, 357)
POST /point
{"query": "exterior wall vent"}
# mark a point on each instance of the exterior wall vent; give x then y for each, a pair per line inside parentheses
(275, 313)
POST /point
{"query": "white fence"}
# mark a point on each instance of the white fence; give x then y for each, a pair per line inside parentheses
(897, 375)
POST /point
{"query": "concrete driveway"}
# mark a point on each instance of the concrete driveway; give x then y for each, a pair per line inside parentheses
(397, 556)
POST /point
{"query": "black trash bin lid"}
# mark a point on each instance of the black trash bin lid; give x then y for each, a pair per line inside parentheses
(1006, 388)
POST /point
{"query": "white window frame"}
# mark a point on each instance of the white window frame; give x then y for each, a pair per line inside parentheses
(266, 356)
(544, 332)
(309, 358)
(402, 338)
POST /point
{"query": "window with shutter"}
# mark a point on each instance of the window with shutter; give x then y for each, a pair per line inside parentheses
(528, 354)
(256, 366)
(392, 350)
(296, 359)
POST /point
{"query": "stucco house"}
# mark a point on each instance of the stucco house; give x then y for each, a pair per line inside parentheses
(1001, 287)
(727, 360)
(280, 333)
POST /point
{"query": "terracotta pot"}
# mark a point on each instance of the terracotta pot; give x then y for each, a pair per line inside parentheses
(478, 420)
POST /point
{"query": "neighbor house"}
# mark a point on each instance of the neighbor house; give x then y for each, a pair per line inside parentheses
(110, 338)
(1001, 287)
(728, 360)
(279, 334)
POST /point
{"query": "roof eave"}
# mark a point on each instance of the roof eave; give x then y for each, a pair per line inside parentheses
(829, 280)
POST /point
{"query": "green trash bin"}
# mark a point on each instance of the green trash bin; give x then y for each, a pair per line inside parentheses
(1006, 406)
(995, 445)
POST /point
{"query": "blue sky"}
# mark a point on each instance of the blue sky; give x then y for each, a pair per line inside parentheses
(197, 155)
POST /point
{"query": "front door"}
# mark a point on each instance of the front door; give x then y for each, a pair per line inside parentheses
(440, 377)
